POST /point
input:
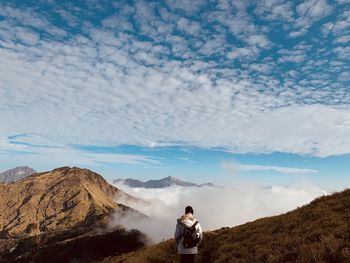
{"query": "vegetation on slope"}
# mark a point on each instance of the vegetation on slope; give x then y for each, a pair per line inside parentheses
(318, 232)
(80, 245)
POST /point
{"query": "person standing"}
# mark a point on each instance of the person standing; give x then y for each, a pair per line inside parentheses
(188, 234)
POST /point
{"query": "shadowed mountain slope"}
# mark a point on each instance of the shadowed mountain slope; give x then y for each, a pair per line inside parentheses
(318, 232)
(16, 174)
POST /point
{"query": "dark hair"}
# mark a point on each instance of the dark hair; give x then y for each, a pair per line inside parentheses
(189, 209)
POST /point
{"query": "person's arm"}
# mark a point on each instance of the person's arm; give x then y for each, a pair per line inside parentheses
(177, 234)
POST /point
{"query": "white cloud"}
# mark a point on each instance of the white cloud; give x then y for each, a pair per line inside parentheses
(121, 158)
(25, 17)
(243, 52)
(188, 6)
(338, 27)
(71, 19)
(263, 68)
(190, 27)
(40, 152)
(298, 33)
(259, 40)
(27, 37)
(342, 39)
(188, 160)
(296, 55)
(314, 8)
(213, 46)
(278, 169)
(275, 10)
(309, 12)
(342, 52)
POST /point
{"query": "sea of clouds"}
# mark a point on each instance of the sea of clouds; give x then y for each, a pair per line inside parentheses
(214, 207)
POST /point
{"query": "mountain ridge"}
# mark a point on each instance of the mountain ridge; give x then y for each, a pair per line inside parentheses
(158, 183)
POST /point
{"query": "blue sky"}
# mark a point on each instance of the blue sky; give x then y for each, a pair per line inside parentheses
(196, 89)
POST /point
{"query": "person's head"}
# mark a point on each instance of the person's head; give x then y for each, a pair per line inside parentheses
(188, 210)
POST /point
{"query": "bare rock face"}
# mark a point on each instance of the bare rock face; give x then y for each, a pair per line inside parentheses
(16, 174)
(65, 198)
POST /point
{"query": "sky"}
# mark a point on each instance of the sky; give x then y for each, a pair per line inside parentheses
(207, 91)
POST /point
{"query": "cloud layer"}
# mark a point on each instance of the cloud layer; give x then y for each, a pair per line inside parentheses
(214, 207)
(212, 76)
(237, 167)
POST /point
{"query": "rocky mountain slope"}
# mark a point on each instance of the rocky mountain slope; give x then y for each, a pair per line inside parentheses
(16, 174)
(318, 232)
(62, 204)
(161, 183)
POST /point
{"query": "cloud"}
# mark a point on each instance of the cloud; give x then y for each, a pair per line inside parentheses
(190, 27)
(24, 16)
(312, 10)
(343, 1)
(275, 10)
(121, 158)
(279, 169)
(342, 39)
(338, 27)
(188, 6)
(259, 40)
(243, 53)
(309, 12)
(161, 84)
(295, 17)
(342, 51)
(40, 152)
(211, 206)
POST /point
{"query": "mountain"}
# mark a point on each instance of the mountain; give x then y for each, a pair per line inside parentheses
(317, 232)
(63, 206)
(16, 174)
(130, 182)
(60, 199)
(161, 183)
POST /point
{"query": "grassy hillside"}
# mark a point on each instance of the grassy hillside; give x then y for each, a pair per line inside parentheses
(318, 232)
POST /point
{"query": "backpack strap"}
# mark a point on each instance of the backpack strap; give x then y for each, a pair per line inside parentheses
(194, 225)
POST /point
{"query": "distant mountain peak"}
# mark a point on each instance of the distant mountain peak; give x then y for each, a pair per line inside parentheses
(172, 179)
(158, 183)
(16, 174)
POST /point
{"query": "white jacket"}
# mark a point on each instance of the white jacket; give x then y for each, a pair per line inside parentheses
(186, 220)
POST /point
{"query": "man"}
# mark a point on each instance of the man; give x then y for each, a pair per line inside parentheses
(185, 223)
